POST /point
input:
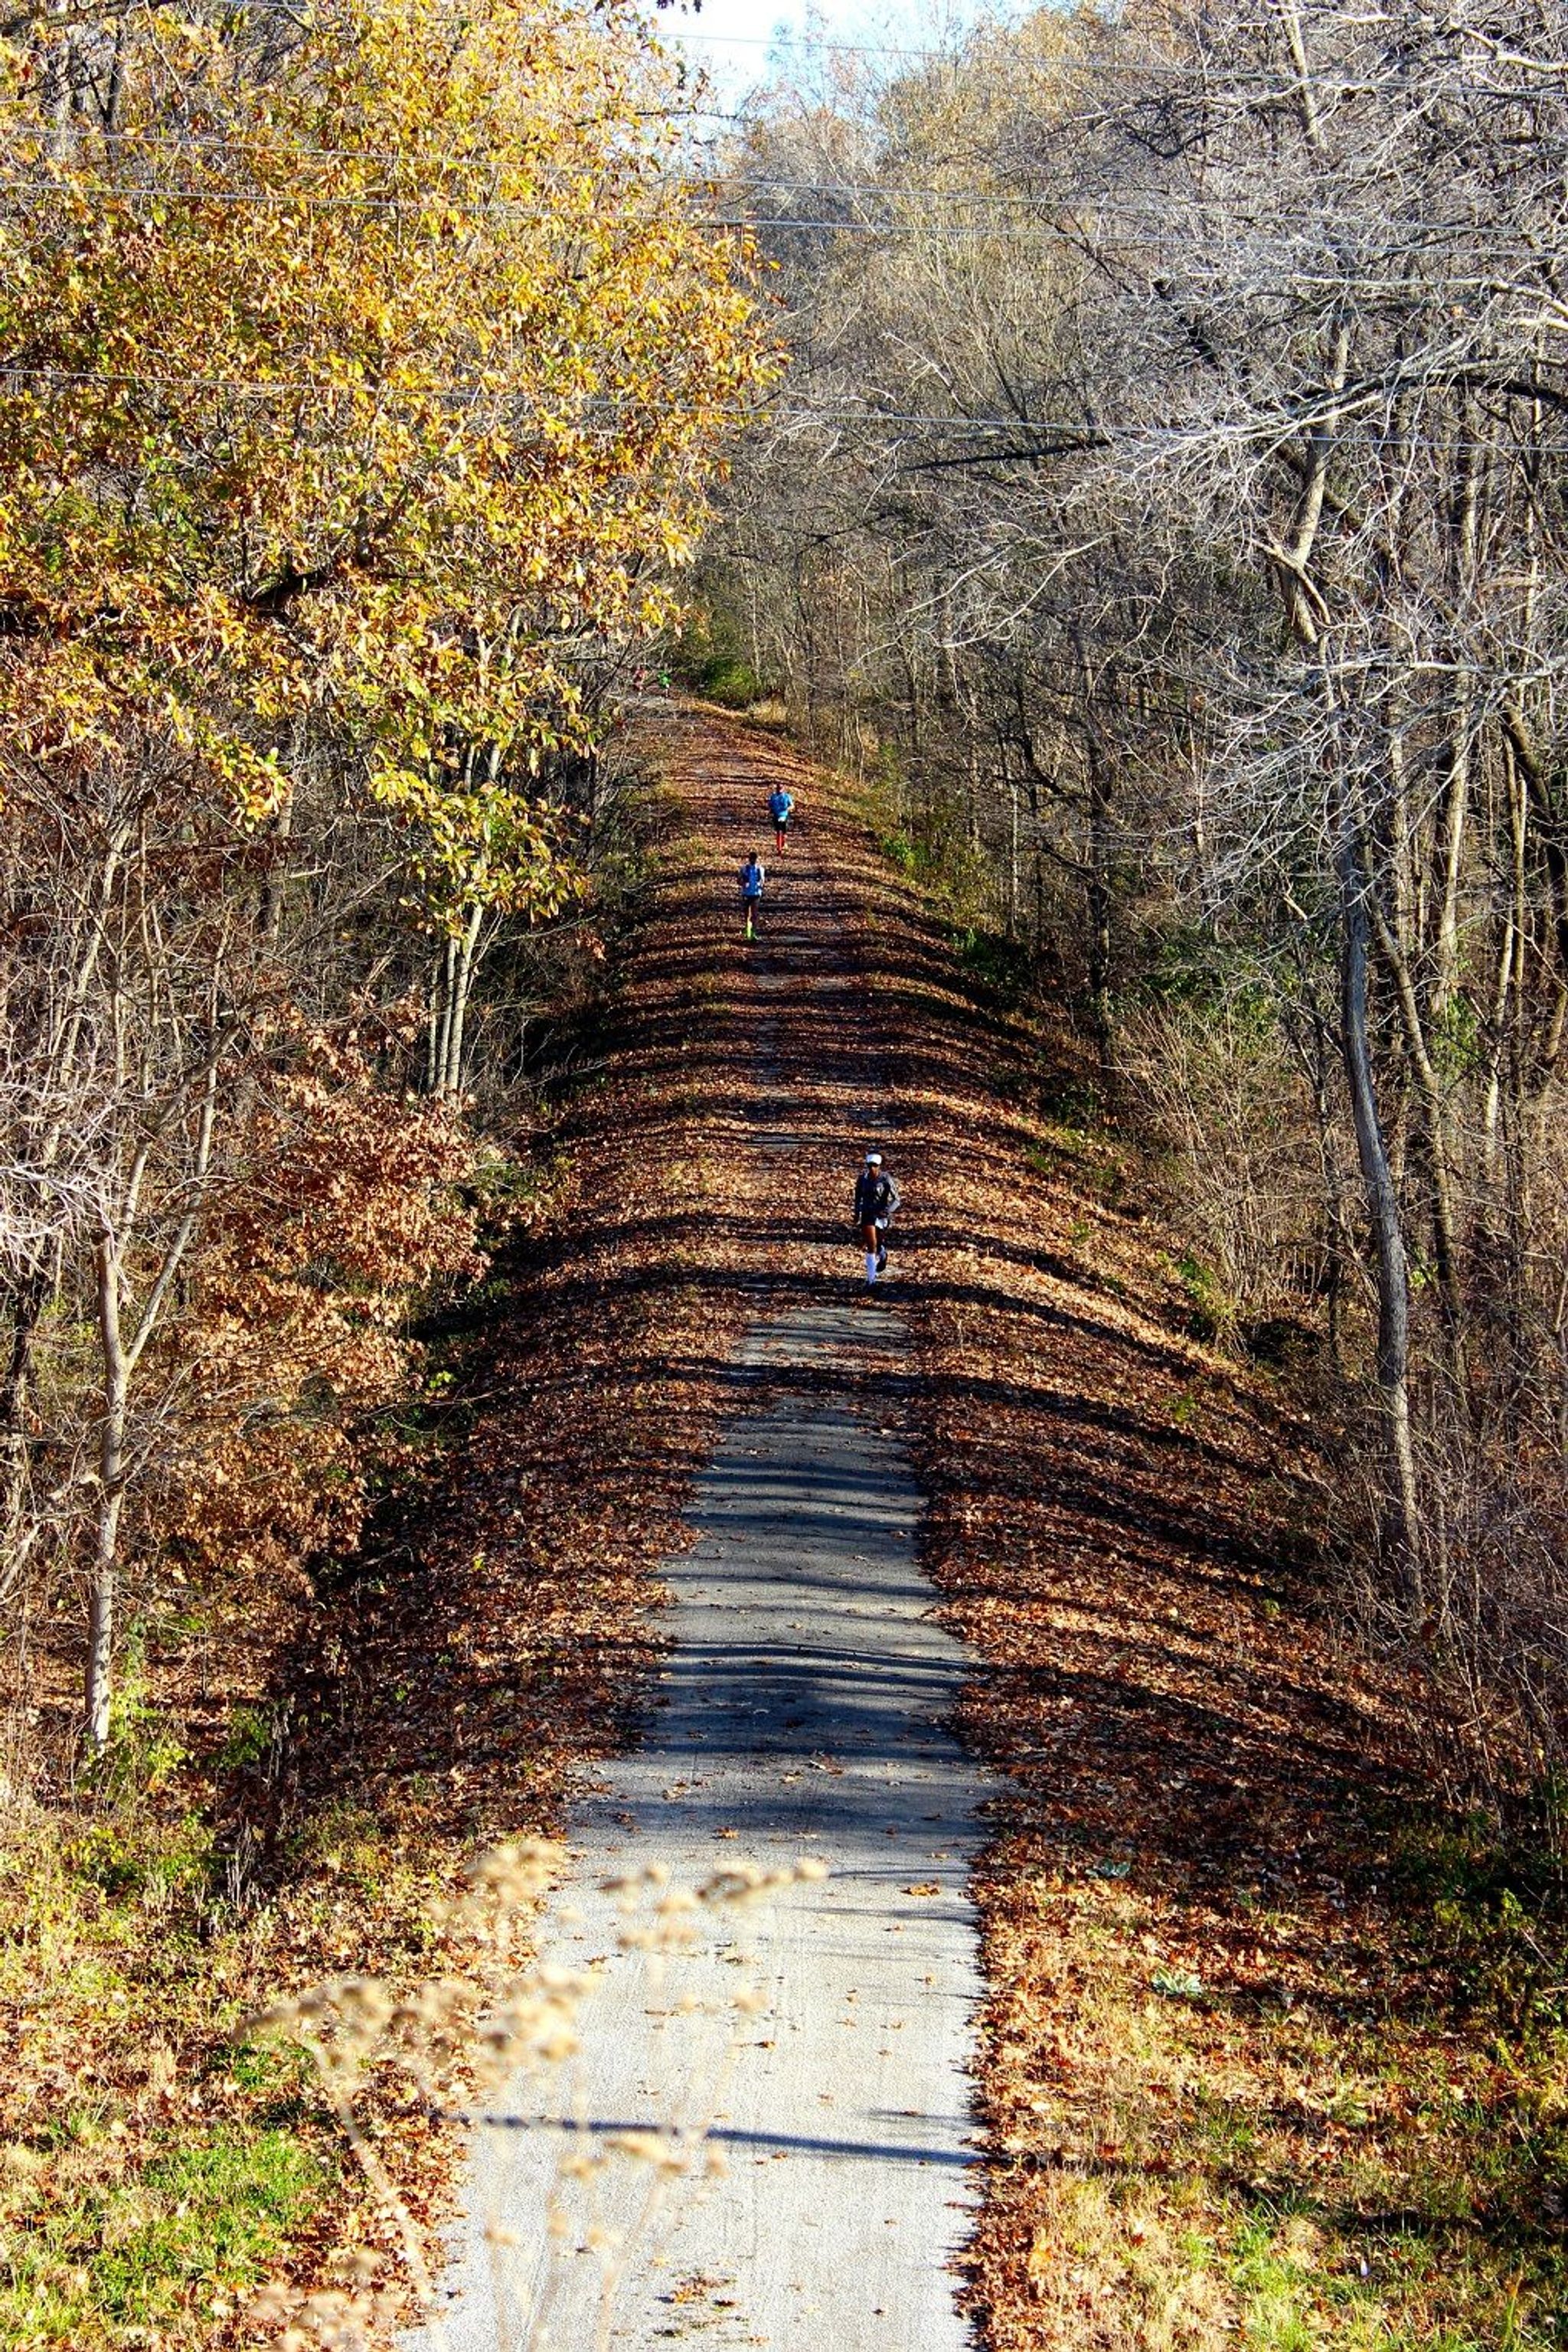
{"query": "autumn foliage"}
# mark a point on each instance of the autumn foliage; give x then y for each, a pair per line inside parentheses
(363, 373)
(344, 1214)
(355, 374)
(364, 379)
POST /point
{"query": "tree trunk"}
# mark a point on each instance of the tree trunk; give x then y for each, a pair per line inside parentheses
(1099, 904)
(461, 974)
(434, 999)
(99, 1680)
(119, 1359)
(1336, 1222)
(1013, 860)
(1402, 1517)
(28, 1299)
(444, 998)
(1428, 1088)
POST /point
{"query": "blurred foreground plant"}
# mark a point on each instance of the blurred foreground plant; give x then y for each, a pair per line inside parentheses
(457, 2040)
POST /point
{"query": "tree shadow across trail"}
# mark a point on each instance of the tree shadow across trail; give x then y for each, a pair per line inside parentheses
(1201, 1897)
(1218, 2003)
(890, 2151)
(1202, 1967)
(494, 1632)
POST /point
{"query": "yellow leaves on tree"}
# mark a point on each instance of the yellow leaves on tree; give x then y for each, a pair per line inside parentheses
(357, 378)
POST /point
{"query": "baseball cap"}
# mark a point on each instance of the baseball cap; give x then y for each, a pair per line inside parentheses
(873, 1160)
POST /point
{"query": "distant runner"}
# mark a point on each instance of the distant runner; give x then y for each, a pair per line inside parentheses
(781, 808)
(753, 875)
(876, 1203)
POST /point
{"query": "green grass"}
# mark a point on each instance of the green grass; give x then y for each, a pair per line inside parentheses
(901, 851)
(1213, 1309)
(196, 2225)
(729, 681)
(150, 2168)
(935, 855)
(1325, 2174)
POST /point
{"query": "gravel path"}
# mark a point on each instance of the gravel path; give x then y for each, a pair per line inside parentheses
(823, 2140)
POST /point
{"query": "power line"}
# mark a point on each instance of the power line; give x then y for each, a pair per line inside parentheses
(1206, 78)
(427, 200)
(1059, 220)
(1003, 204)
(317, 387)
(1203, 75)
(1073, 437)
(997, 203)
(808, 44)
(663, 34)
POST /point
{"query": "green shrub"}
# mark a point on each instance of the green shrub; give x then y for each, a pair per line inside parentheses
(1004, 965)
(731, 682)
(1214, 1311)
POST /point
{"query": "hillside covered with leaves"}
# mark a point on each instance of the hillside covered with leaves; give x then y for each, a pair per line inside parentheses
(1117, 459)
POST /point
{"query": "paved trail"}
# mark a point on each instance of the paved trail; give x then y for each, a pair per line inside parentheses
(803, 1713)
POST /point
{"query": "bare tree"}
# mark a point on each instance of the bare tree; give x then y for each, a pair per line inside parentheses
(1175, 464)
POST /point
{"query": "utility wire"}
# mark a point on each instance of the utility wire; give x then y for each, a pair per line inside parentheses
(664, 33)
(998, 202)
(1065, 220)
(1153, 69)
(1202, 73)
(1071, 438)
(425, 200)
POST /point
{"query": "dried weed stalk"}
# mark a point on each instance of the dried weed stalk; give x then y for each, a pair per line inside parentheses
(455, 2042)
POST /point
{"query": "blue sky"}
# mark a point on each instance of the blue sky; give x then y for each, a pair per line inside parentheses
(743, 42)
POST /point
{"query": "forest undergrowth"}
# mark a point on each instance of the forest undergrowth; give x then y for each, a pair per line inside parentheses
(1275, 2051)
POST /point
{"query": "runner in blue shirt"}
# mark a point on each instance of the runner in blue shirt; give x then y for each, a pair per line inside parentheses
(781, 808)
(753, 875)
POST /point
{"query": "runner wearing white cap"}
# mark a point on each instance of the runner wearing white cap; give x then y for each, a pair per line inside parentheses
(876, 1202)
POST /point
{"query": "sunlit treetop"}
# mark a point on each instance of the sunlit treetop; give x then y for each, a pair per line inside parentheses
(360, 372)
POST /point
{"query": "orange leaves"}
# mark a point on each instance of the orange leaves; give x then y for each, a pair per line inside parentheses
(341, 1212)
